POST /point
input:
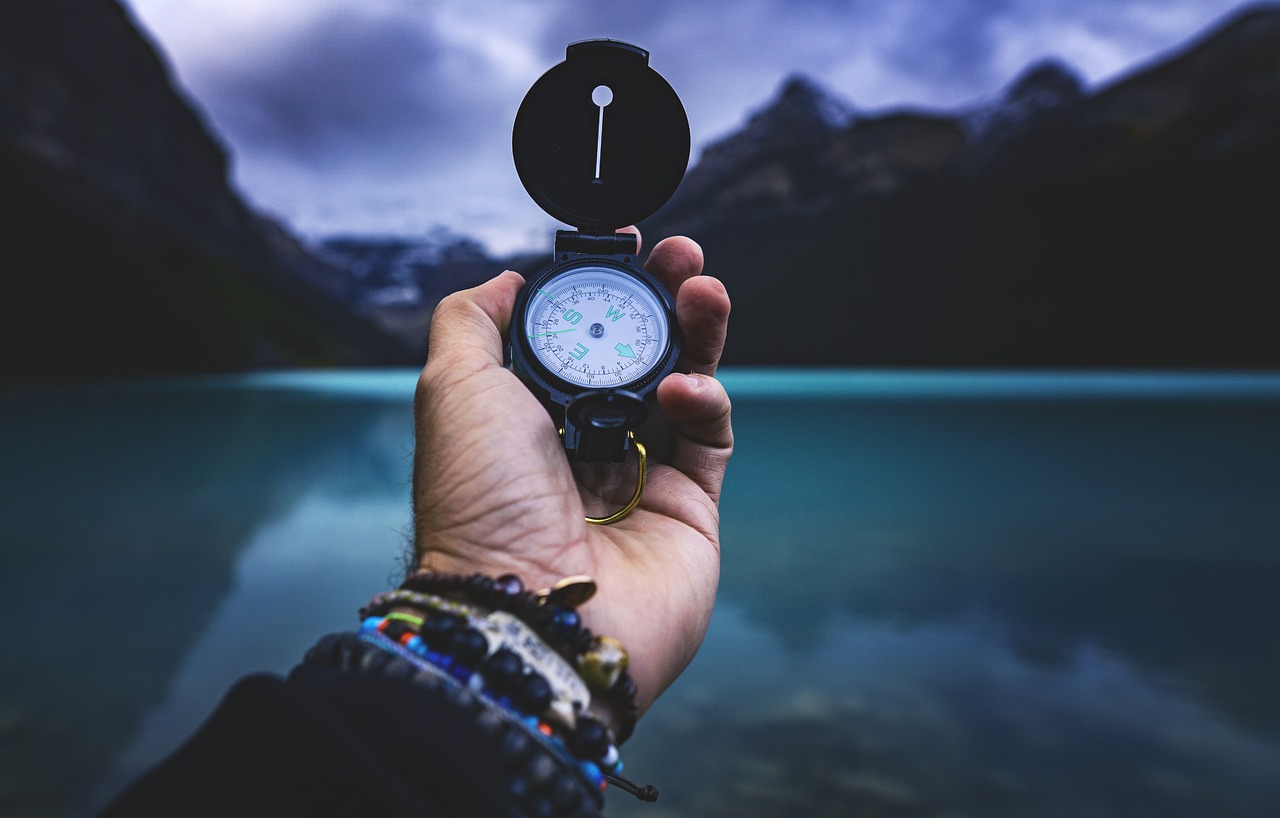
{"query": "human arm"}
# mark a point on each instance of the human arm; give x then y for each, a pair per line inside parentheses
(364, 725)
(494, 493)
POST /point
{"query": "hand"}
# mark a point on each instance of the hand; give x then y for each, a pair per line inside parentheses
(493, 491)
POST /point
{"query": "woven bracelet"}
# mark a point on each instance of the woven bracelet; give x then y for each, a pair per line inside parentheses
(540, 778)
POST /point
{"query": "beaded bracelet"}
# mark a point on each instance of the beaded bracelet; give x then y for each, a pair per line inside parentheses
(500, 678)
(440, 623)
(451, 637)
(551, 614)
(540, 777)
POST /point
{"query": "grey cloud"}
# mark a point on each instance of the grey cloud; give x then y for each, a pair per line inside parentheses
(353, 109)
(951, 44)
(348, 88)
(725, 56)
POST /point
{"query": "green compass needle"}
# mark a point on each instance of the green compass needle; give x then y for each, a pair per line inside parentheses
(553, 332)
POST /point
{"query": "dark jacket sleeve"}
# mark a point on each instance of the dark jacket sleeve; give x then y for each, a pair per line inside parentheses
(327, 743)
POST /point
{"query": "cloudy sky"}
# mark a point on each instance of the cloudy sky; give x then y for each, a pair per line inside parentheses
(394, 116)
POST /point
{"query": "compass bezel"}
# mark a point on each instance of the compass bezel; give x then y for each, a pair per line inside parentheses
(561, 390)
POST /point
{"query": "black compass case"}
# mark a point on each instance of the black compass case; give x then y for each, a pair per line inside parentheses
(598, 179)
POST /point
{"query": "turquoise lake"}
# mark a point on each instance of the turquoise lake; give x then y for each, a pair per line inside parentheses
(974, 594)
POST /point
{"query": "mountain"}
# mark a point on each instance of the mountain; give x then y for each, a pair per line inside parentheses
(396, 281)
(125, 249)
(1056, 225)
(1129, 226)
(1045, 88)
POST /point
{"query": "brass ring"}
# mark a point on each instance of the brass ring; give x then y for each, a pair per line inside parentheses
(635, 498)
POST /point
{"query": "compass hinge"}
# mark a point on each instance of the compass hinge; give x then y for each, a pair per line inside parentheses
(595, 244)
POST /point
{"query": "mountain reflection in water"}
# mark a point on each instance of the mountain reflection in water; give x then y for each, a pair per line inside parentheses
(960, 595)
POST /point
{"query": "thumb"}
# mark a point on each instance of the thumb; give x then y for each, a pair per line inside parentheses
(468, 326)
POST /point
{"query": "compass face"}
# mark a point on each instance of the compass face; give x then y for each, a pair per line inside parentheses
(597, 327)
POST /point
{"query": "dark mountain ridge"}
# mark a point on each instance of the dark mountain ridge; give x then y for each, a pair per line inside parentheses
(126, 251)
(1056, 226)
(1128, 227)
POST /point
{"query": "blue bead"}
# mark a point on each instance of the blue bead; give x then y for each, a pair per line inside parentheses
(565, 623)
(592, 772)
(370, 624)
(416, 645)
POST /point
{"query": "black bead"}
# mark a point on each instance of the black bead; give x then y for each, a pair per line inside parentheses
(324, 652)
(468, 646)
(626, 686)
(518, 787)
(587, 808)
(437, 628)
(541, 808)
(534, 695)
(426, 680)
(514, 744)
(590, 740)
(460, 699)
(561, 791)
(348, 654)
(540, 770)
(508, 585)
(489, 722)
(374, 659)
(502, 671)
(398, 668)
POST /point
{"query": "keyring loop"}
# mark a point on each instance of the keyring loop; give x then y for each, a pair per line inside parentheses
(641, 472)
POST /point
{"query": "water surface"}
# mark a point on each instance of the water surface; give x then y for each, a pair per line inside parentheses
(977, 594)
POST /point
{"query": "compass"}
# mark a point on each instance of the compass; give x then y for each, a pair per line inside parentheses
(600, 142)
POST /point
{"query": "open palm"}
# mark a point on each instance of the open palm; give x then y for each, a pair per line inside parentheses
(494, 492)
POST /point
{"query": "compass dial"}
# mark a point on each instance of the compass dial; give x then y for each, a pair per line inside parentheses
(597, 327)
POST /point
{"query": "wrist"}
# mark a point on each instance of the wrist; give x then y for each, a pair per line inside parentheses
(551, 614)
(524, 654)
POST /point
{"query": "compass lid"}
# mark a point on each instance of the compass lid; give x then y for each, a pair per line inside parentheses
(601, 140)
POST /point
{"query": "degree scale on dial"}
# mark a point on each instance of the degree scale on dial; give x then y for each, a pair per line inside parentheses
(597, 328)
